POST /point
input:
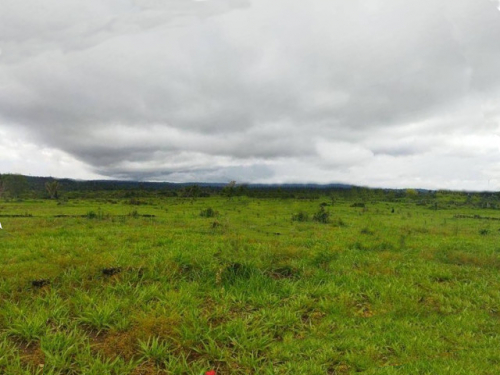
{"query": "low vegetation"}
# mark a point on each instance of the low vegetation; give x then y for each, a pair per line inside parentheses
(243, 285)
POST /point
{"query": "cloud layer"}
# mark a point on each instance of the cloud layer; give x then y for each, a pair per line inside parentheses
(376, 92)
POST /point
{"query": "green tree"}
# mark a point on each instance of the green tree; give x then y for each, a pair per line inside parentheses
(14, 185)
(411, 194)
(52, 188)
(2, 186)
(229, 190)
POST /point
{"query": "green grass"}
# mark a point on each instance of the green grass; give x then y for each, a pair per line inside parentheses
(264, 291)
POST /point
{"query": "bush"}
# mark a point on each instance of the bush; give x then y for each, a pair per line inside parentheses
(359, 204)
(322, 216)
(300, 216)
(209, 212)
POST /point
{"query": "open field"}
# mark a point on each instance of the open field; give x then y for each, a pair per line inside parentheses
(104, 287)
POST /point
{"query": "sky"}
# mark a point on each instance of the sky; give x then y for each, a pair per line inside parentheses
(379, 93)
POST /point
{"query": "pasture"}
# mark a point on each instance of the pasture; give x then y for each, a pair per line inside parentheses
(247, 286)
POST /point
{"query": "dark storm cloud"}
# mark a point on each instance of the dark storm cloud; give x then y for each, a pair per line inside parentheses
(218, 88)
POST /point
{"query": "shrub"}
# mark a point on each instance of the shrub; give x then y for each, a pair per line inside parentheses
(209, 212)
(234, 272)
(367, 230)
(359, 204)
(322, 216)
(300, 216)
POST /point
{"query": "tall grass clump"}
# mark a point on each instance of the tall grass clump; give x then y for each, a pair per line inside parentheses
(208, 212)
(322, 216)
(300, 216)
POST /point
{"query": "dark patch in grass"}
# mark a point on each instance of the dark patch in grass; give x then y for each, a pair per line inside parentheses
(367, 231)
(40, 283)
(111, 271)
(479, 217)
(284, 272)
(136, 202)
(209, 212)
(322, 216)
(187, 270)
(300, 216)
(323, 259)
(24, 215)
(441, 278)
(358, 205)
(236, 271)
(359, 246)
(31, 355)
(339, 223)
(381, 246)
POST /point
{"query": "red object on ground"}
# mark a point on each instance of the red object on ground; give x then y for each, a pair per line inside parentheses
(211, 372)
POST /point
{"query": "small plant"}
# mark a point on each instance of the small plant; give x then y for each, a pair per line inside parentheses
(111, 271)
(29, 328)
(134, 214)
(367, 230)
(484, 232)
(235, 271)
(209, 212)
(322, 216)
(95, 215)
(99, 317)
(300, 216)
(358, 205)
(154, 350)
(59, 350)
(340, 223)
(284, 272)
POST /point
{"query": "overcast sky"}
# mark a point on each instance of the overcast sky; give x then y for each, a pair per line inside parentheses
(383, 93)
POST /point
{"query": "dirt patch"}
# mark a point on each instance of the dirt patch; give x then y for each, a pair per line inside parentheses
(31, 355)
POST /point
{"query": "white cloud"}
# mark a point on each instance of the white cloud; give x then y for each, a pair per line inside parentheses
(19, 155)
(378, 92)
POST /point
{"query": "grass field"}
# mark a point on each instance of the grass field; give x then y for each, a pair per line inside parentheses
(103, 287)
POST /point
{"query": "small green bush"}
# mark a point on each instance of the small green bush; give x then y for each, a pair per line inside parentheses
(300, 216)
(209, 212)
(322, 216)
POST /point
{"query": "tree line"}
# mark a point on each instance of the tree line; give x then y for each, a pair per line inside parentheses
(16, 186)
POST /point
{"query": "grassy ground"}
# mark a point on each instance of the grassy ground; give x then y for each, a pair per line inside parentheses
(105, 290)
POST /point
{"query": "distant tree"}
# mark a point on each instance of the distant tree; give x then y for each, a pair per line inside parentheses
(229, 190)
(193, 191)
(411, 194)
(242, 190)
(2, 186)
(14, 184)
(52, 188)
(322, 216)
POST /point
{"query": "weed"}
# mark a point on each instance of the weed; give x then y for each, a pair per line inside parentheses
(322, 216)
(208, 212)
(154, 350)
(300, 216)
